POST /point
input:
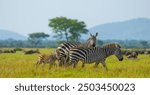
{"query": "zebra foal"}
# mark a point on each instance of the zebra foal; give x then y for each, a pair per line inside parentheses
(50, 59)
(96, 54)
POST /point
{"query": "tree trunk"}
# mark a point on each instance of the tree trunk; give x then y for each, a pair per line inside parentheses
(66, 35)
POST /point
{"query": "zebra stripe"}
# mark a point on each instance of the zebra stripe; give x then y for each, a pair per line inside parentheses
(96, 54)
(44, 58)
(65, 47)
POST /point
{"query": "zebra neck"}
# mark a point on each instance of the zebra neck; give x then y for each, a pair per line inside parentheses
(82, 45)
(87, 43)
(109, 51)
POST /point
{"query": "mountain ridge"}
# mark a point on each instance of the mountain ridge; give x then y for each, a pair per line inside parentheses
(8, 34)
(134, 29)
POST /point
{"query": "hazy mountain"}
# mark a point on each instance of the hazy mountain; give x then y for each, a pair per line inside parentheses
(6, 34)
(135, 29)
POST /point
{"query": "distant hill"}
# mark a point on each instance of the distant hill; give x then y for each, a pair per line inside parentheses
(6, 34)
(135, 29)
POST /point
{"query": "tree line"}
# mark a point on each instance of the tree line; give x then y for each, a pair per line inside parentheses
(47, 43)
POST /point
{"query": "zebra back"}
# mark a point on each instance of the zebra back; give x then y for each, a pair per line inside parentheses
(90, 55)
(64, 48)
(111, 45)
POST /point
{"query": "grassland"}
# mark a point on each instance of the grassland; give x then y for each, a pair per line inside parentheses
(19, 65)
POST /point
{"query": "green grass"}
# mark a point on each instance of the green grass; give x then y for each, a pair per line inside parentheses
(23, 66)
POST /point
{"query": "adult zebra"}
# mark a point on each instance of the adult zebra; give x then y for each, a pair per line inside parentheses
(96, 54)
(63, 49)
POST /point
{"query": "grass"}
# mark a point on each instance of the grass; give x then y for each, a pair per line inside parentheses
(19, 65)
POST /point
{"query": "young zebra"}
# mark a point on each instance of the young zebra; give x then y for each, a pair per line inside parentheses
(96, 54)
(64, 48)
(46, 59)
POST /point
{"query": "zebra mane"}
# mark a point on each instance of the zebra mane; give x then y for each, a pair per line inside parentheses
(80, 47)
(112, 45)
(88, 39)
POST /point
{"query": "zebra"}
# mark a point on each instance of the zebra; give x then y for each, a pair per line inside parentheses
(64, 48)
(45, 58)
(95, 54)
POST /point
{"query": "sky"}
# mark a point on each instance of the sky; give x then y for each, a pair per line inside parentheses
(27, 16)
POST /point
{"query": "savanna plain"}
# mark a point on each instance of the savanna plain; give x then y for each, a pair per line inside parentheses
(19, 65)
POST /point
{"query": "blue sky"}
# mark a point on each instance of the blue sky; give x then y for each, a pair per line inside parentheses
(27, 16)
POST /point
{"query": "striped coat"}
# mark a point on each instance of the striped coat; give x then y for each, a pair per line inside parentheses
(44, 58)
(96, 54)
(65, 47)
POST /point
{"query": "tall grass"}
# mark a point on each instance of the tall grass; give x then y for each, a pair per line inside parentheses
(23, 66)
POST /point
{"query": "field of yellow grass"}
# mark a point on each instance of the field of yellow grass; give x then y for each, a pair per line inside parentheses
(19, 65)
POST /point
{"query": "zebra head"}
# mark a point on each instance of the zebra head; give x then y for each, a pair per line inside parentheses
(91, 42)
(58, 54)
(118, 52)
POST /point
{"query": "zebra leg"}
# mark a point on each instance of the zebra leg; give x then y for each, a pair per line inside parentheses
(50, 65)
(104, 65)
(66, 60)
(37, 63)
(74, 64)
(44, 65)
(96, 64)
(83, 63)
(55, 65)
(50, 62)
(61, 62)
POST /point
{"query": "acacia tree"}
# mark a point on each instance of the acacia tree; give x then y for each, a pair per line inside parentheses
(78, 28)
(71, 29)
(36, 38)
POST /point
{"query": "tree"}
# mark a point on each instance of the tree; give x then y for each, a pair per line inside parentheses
(71, 29)
(144, 44)
(99, 42)
(36, 38)
(77, 28)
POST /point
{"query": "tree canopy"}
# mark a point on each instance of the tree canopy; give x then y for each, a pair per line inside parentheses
(70, 29)
(38, 35)
(35, 38)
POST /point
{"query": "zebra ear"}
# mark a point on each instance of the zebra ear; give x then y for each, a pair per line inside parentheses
(117, 45)
(91, 35)
(96, 34)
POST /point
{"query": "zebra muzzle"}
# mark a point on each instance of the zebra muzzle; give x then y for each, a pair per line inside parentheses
(121, 59)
